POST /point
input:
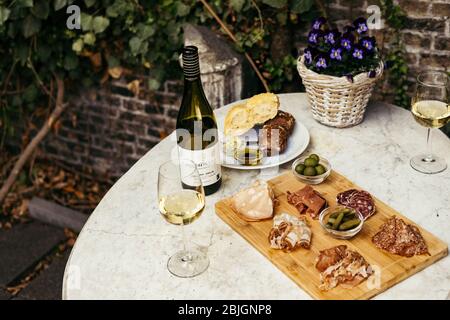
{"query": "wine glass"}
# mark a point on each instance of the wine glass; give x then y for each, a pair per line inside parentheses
(181, 201)
(430, 109)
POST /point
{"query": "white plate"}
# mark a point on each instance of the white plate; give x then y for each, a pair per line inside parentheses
(297, 142)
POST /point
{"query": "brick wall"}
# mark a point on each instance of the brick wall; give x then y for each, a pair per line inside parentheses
(426, 36)
(106, 131)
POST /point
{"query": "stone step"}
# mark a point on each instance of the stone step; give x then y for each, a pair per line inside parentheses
(48, 284)
(23, 246)
(56, 215)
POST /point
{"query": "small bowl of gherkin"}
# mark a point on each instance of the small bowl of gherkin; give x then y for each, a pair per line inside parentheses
(341, 222)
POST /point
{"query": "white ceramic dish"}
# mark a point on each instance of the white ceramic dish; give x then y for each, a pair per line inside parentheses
(297, 142)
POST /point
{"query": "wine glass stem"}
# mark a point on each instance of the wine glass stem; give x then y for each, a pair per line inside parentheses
(187, 257)
(429, 154)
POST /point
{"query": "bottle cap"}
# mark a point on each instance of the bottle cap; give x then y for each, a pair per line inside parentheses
(191, 66)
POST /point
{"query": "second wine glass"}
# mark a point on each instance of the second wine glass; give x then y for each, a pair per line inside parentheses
(430, 109)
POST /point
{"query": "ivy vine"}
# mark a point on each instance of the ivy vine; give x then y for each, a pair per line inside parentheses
(395, 59)
(118, 37)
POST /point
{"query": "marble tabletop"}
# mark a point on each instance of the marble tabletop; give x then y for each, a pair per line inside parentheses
(122, 251)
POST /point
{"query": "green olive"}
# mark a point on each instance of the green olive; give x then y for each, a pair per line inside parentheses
(320, 169)
(309, 171)
(299, 168)
(310, 162)
(314, 156)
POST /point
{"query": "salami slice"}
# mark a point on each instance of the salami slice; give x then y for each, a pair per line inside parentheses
(344, 197)
(359, 200)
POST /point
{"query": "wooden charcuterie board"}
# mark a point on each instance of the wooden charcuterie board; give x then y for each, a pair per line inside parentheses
(299, 265)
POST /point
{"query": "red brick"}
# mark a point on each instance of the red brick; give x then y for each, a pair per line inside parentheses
(414, 8)
(442, 43)
(440, 9)
(435, 61)
(416, 40)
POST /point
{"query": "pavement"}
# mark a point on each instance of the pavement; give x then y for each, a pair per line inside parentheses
(21, 249)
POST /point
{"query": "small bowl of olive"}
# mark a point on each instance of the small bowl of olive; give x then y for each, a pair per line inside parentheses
(311, 169)
(341, 222)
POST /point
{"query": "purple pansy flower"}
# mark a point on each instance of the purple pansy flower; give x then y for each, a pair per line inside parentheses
(335, 54)
(360, 25)
(331, 37)
(308, 55)
(318, 23)
(347, 41)
(321, 62)
(368, 43)
(358, 53)
(313, 36)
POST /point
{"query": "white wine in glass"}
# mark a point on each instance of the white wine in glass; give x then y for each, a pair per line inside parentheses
(181, 200)
(430, 109)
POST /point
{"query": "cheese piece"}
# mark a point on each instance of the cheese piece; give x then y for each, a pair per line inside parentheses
(263, 107)
(255, 202)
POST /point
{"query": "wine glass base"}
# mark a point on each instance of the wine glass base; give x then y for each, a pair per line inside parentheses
(421, 164)
(188, 264)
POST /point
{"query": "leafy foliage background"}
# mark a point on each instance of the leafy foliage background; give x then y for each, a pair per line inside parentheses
(119, 36)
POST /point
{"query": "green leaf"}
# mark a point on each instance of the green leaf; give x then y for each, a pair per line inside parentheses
(237, 4)
(31, 25)
(153, 84)
(86, 21)
(24, 3)
(113, 62)
(89, 3)
(78, 45)
(99, 24)
(135, 45)
(276, 3)
(43, 52)
(182, 9)
(89, 38)
(282, 18)
(145, 31)
(30, 93)
(4, 14)
(41, 9)
(301, 6)
(59, 4)
(70, 61)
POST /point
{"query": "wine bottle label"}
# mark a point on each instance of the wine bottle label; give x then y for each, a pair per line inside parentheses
(207, 162)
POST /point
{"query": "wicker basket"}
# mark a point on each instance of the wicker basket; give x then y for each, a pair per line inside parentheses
(335, 101)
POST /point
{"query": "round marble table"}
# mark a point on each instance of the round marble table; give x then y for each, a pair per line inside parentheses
(122, 251)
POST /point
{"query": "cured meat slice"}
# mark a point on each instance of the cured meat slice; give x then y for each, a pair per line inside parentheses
(289, 232)
(255, 202)
(343, 197)
(359, 200)
(398, 237)
(341, 266)
(307, 199)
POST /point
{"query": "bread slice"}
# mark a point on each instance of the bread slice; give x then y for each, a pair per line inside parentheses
(263, 107)
(237, 120)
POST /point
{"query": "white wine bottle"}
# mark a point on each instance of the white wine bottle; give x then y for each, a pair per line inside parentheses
(197, 133)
